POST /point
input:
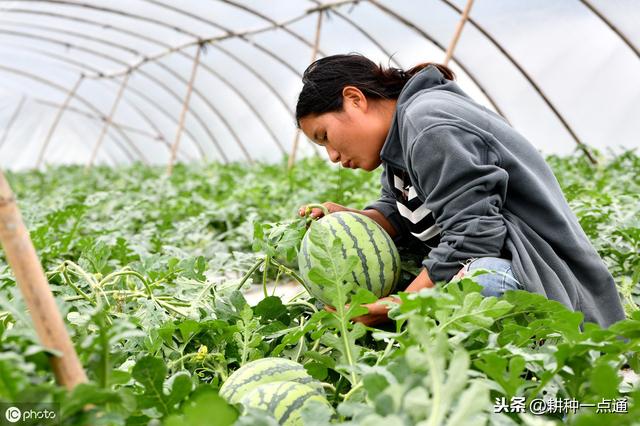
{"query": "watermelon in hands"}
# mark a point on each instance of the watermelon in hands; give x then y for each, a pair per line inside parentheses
(378, 263)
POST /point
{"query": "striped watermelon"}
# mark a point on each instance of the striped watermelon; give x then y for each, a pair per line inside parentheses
(265, 370)
(379, 268)
(283, 400)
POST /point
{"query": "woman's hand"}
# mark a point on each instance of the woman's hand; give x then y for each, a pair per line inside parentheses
(317, 212)
(377, 312)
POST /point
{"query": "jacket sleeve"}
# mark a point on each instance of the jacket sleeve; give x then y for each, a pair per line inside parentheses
(465, 188)
(386, 205)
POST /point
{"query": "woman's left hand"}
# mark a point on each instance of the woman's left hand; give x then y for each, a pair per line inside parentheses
(377, 313)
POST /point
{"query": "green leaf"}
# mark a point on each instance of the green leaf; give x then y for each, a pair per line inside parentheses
(604, 381)
(207, 408)
(271, 308)
(315, 413)
(375, 383)
(151, 372)
(188, 328)
(12, 375)
(472, 403)
(256, 417)
(503, 370)
(317, 370)
(318, 276)
(88, 394)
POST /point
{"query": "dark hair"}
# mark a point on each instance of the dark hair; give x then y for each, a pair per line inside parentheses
(325, 78)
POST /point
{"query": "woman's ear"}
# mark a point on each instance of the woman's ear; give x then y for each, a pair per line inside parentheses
(354, 97)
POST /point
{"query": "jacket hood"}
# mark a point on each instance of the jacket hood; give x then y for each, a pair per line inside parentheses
(427, 79)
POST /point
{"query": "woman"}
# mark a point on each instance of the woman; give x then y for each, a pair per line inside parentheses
(457, 179)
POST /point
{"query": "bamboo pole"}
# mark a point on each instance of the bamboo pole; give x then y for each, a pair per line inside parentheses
(24, 262)
(12, 120)
(107, 122)
(314, 54)
(611, 25)
(70, 95)
(456, 35)
(526, 75)
(183, 113)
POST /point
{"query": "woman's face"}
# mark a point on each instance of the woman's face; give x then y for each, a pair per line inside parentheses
(355, 135)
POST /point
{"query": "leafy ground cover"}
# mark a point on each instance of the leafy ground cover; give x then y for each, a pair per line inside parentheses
(149, 274)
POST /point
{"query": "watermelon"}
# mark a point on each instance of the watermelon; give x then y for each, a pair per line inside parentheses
(378, 269)
(265, 370)
(283, 400)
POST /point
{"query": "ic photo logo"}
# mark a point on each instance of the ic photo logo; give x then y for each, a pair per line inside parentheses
(31, 414)
(13, 414)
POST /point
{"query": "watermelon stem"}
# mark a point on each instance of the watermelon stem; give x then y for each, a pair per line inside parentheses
(351, 391)
(301, 341)
(325, 210)
(328, 386)
(287, 271)
(303, 303)
(275, 284)
(264, 275)
(389, 347)
(249, 273)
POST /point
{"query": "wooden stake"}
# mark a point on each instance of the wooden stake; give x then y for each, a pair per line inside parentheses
(107, 122)
(34, 287)
(183, 113)
(456, 36)
(314, 54)
(70, 95)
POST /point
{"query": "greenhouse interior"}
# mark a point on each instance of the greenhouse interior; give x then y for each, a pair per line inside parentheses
(319, 212)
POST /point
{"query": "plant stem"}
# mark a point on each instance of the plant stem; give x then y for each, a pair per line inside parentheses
(297, 295)
(387, 351)
(436, 382)
(288, 271)
(329, 386)
(303, 303)
(123, 292)
(275, 285)
(91, 280)
(301, 342)
(264, 275)
(123, 272)
(189, 356)
(344, 332)
(169, 307)
(352, 391)
(248, 274)
(77, 289)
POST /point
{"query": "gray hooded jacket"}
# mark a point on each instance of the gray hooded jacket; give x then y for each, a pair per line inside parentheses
(477, 188)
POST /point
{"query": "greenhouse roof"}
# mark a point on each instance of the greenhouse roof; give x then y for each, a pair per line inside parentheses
(113, 82)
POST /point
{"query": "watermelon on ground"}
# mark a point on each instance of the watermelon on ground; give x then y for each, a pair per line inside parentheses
(265, 370)
(283, 400)
(378, 269)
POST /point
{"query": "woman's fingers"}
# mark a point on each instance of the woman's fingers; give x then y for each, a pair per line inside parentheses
(462, 272)
(314, 212)
(318, 210)
(305, 210)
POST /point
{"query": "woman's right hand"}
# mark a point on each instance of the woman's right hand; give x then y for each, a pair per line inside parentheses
(317, 212)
